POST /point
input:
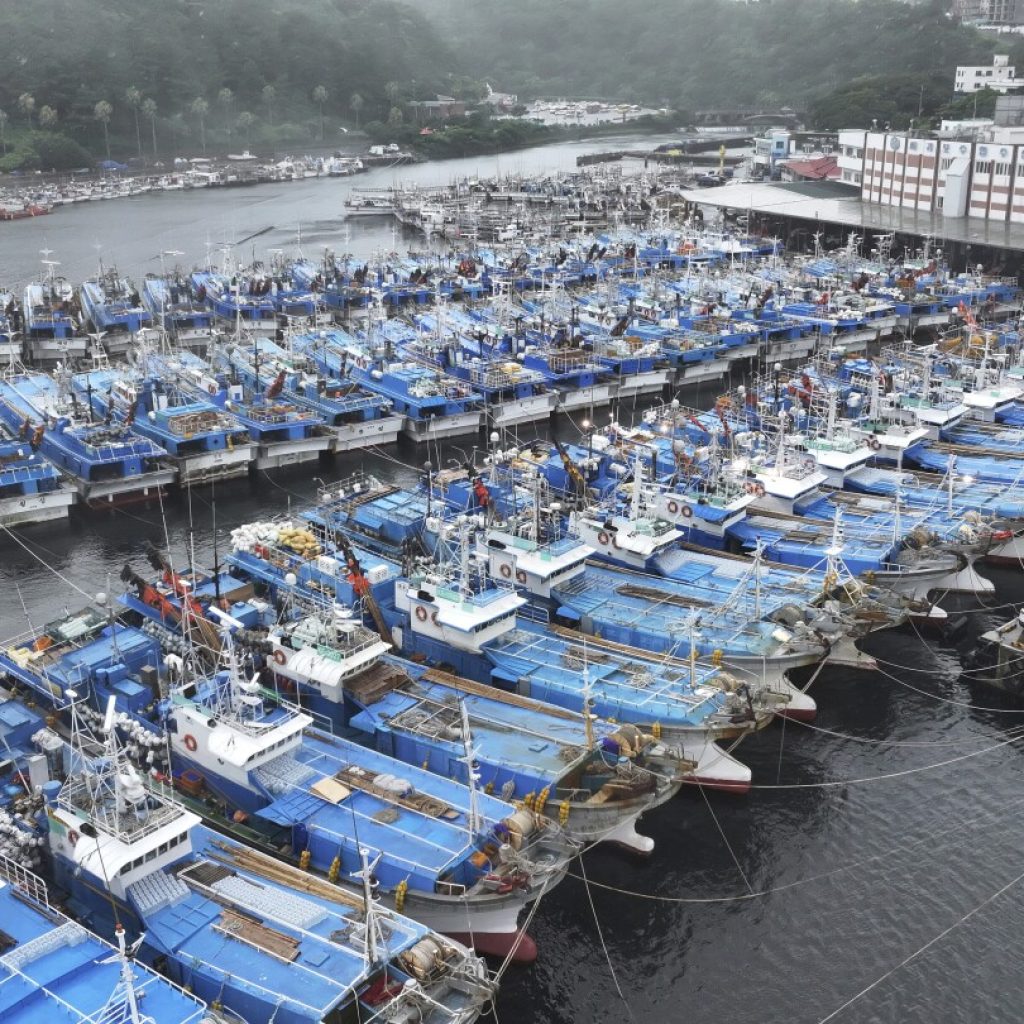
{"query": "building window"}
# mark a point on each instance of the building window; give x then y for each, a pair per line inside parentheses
(1002, 169)
(983, 167)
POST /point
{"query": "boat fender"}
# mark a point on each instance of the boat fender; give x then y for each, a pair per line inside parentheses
(686, 512)
(673, 508)
(190, 742)
(506, 571)
(520, 576)
(421, 613)
(279, 657)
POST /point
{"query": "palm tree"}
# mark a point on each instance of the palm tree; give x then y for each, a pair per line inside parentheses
(134, 99)
(26, 104)
(319, 98)
(4, 118)
(102, 112)
(201, 108)
(225, 98)
(149, 109)
(47, 117)
(269, 95)
(246, 120)
(356, 103)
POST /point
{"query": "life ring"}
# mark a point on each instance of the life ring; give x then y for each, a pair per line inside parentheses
(686, 512)
(759, 489)
(190, 742)
(874, 444)
(748, 487)
(673, 508)
(433, 616)
(73, 837)
(211, 389)
(615, 540)
(602, 537)
(520, 576)
(506, 571)
(421, 613)
(279, 657)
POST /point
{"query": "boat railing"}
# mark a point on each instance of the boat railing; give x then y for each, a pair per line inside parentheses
(77, 796)
(25, 880)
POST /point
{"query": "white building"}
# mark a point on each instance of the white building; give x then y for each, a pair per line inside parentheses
(851, 156)
(973, 177)
(1000, 76)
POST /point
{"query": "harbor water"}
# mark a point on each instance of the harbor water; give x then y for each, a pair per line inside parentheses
(863, 879)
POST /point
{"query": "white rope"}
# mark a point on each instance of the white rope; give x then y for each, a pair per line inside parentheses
(931, 942)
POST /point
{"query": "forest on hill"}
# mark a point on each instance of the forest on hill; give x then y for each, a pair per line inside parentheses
(136, 76)
(153, 78)
(699, 54)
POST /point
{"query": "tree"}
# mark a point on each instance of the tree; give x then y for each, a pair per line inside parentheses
(149, 109)
(4, 117)
(395, 117)
(392, 90)
(200, 108)
(133, 97)
(246, 119)
(269, 94)
(319, 98)
(102, 112)
(226, 98)
(27, 104)
(356, 104)
(47, 117)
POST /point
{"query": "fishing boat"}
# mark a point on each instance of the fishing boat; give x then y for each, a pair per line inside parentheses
(54, 968)
(434, 405)
(355, 416)
(32, 489)
(594, 778)
(107, 463)
(284, 434)
(51, 327)
(998, 657)
(113, 308)
(241, 929)
(188, 323)
(203, 442)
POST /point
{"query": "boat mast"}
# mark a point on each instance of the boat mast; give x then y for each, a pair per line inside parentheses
(469, 759)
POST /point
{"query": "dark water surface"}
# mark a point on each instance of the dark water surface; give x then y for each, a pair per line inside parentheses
(858, 876)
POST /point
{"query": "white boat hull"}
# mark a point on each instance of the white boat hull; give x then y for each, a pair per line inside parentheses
(20, 510)
(584, 398)
(133, 488)
(384, 430)
(291, 453)
(651, 382)
(521, 410)
(218, 465)
(442, 426)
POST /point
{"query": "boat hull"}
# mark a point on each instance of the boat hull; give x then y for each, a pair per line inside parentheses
(22, 510)
(217, 465)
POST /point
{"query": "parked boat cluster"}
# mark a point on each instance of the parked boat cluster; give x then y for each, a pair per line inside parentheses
(323, 774)
(39, 198)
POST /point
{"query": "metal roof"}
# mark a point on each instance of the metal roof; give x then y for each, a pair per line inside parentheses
(833, 202)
